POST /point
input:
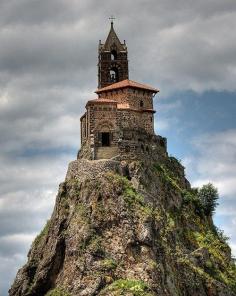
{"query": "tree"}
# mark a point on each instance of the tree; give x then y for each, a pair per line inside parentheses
(208, 194)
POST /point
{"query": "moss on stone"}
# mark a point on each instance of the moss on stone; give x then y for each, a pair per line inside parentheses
(128, 287)
(221, 269)
(58, 292)
(134, 200)
(83, 213)
(95, 246)
(167, 176)
(108, 264)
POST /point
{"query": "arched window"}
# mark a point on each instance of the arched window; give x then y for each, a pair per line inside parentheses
(114, 75)
(113, 55)
(141, 104)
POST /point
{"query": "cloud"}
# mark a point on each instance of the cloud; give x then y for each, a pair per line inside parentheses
(27, 196)
(217, 159)
(48, 70)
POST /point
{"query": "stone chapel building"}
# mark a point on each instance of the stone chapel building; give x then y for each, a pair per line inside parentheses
(119, 123)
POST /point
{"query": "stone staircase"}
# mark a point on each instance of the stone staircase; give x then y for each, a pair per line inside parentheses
(106, 152)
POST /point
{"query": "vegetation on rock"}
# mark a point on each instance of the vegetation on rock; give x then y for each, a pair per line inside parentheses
(57, 292)
(145, 232)
(42, 234)
(127, 287)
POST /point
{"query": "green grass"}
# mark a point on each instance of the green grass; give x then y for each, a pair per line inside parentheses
(133, 287)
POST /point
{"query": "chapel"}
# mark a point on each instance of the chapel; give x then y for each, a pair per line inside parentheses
(119, 123)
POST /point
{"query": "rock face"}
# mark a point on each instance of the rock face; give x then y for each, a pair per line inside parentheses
(127, 228)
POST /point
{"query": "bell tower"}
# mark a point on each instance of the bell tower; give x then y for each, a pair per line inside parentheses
(112, 60)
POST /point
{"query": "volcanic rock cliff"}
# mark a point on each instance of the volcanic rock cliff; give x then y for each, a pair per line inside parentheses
(128, 228)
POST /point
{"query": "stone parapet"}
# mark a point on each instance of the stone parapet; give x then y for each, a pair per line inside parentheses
(85, 169)
(132, 145)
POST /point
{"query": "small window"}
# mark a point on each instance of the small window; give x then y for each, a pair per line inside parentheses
(141, 104)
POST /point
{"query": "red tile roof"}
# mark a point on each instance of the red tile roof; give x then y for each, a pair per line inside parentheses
(127, 83)
(102, 101)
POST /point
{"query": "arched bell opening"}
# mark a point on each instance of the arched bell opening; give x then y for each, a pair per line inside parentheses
(113, 55)
(113, 75)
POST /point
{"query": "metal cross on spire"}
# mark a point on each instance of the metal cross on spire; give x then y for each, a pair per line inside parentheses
(112, 18)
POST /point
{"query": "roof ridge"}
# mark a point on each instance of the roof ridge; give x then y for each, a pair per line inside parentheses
(127, 83)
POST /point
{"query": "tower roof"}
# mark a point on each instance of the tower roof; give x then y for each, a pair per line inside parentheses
(126, 83)
(112, 39)
(101, 101)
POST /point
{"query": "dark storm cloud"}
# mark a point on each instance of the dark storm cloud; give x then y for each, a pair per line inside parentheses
(48, 70)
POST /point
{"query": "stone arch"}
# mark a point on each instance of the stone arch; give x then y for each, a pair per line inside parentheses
(104, 125)
(114, 74)
(113, 55)
(104, 131)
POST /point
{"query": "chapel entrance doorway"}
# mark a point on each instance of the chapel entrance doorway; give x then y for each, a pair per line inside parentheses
(105, 139)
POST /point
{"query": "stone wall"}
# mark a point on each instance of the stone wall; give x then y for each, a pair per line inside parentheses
(132, 144)
(129, 122)
(83, 129)
(84, 169)
(142, 146)
(103, 118)
(131, 96)
(136, 120)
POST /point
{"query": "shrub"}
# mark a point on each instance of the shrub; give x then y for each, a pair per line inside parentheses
(208, 195)
(190, 197)
(57, 292)
(221, 235)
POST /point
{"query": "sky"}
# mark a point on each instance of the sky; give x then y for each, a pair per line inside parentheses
(48, 70)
